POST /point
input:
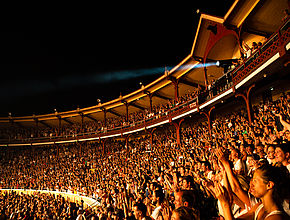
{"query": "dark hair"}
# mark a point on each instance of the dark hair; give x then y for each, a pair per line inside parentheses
(207, 164)
(285, 147)
(244, 182)
(155, 185)
(142, 207)
(280, 177)
(254, 156)
(189, 197)
(177, 173)
(159, 194)
(188, 179)
(119, 213)
(185, 213)
(251, 146)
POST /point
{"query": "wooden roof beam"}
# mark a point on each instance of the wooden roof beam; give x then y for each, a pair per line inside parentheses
(137, 106)
(18, 124)
(161, 96)
(91, 117)
(186, 82)
(256, 32)
(113, 112)
(44, 123)
(68, 121)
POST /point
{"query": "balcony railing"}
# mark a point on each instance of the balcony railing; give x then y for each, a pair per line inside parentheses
(272, 46)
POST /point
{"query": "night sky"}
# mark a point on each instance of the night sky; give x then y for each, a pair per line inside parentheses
(64, 59)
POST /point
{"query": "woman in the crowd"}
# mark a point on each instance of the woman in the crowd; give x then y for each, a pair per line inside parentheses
(269, 184)
(282, 155)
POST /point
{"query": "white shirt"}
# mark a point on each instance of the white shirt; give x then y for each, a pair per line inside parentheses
(238, 165)
(80, 216)
(155, 214)
(288, 167)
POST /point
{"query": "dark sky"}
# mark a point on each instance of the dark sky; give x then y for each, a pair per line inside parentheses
(71, 57)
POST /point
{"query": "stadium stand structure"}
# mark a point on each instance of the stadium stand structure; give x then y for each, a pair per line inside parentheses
(241, 68)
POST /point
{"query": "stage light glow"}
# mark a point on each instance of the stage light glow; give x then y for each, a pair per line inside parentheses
(131, 74)
(200, 65)
(66, 82)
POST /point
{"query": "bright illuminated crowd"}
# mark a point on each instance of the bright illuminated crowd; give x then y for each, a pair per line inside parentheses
(236, 169)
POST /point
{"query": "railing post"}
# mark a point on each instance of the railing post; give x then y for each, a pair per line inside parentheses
(246, 98)
(151, 132)
(205, 77)
(57, 150)
(177, 126)
(59, 125)
(105, 117)
(127, 143)
(281, 48)
(82, 122)
(208, 114)
(103, 146)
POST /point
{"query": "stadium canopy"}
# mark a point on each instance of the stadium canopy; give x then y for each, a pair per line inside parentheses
(216, 39)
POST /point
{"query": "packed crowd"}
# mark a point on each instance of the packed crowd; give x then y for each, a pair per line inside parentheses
(37, 206)
(15, 132)
(236, 169)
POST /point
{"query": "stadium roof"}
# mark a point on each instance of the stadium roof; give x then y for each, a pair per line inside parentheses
(216, 38)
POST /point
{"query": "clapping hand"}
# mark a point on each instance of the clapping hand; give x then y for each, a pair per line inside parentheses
(166, 212)
(222, 194)
(221, 155)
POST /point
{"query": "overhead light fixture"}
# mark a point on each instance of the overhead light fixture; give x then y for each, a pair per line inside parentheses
(226, 64)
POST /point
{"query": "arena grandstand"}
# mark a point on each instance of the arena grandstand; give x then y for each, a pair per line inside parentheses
(184, 146)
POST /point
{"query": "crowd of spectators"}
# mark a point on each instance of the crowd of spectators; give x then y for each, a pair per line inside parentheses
(97, 126)
(236, 169)
(37, 206)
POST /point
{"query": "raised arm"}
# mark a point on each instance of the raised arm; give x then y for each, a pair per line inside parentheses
(234, 183)
(223, 197)
(284, 123)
